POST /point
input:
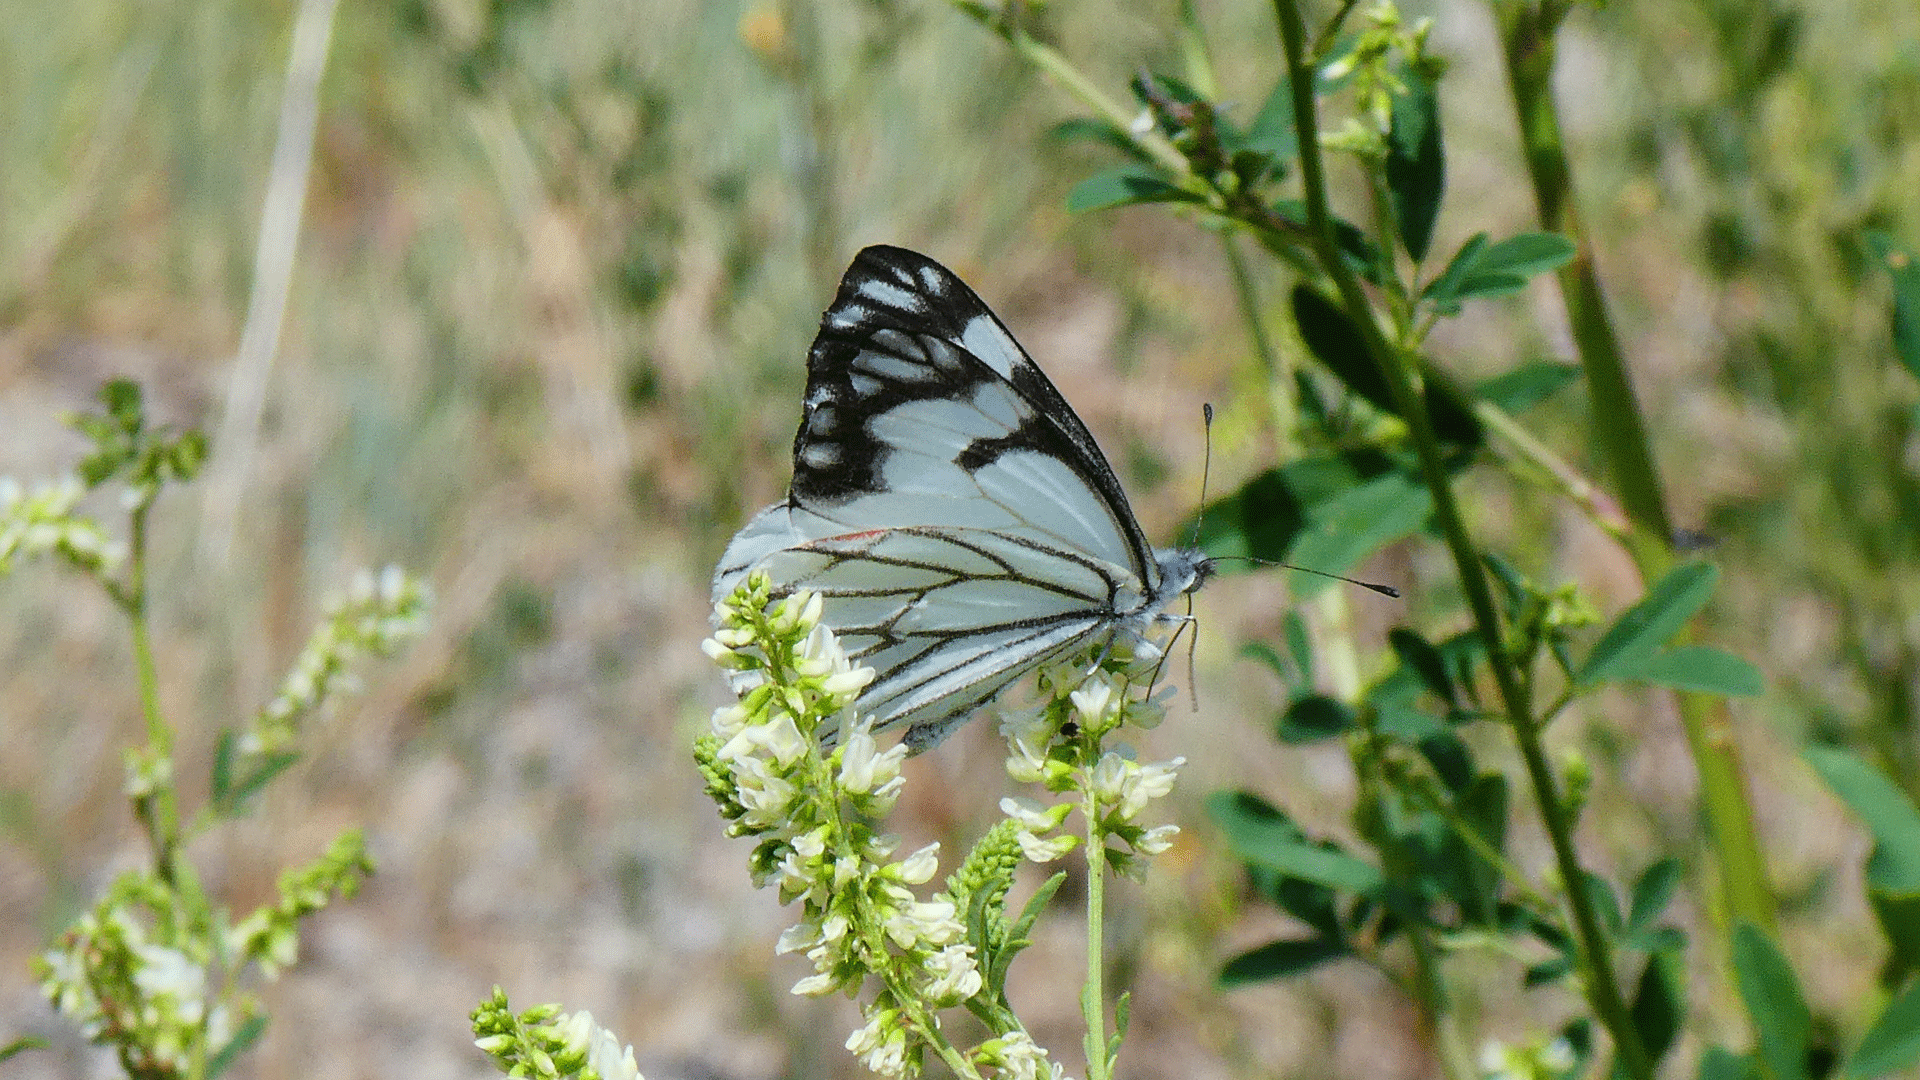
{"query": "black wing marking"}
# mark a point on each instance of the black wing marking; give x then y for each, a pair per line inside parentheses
(904, 332)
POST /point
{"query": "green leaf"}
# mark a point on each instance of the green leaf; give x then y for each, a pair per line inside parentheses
(1123, 185)
(1262, 835)
(1281, 960)
(1893, 1042)
(247, 1035)
(1893, 870)
(1658, 1007)
(1783, 1028)
(1652, 892)
(244, 789)
(1272, 132)
(1699, 668)
(1424, 660)
(1904, 269)
(1450, 758)
(1332, 338)
(1293, 628)
(1643, 628)
(1416, 166)
(22, 1044)
(1313, 718)
(1086, 129)
(1355, 246)
(221, 784)
(1348, 528)
(1527, 385)
(1483, 270)
(1719, 1063)
(1889, 815)
(1484, 808)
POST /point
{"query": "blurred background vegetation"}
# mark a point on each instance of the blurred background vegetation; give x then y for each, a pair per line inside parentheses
(558, 267)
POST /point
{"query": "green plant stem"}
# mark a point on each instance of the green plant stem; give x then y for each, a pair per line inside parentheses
(1093, 996)
(1602, 988)
(162, 813)
(1528, 45)
(1273, 365)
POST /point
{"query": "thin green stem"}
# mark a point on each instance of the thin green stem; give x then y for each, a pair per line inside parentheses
(1278, 373)
(1093, 996)
(1603, 989)
(160, 812)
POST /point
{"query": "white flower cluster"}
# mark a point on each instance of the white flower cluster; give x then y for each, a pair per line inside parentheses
(376, 614)
(1051, 743)
(814, 810)
(156, 993)
(546, 1044)
(41, 520)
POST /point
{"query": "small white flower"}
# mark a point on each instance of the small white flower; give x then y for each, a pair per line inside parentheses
(919, 867)
(1146, 783)
(1095, 703)
(864, 769)
(1044, 851)
(170, 974)
(951, 974)
(1023, 1059)
(1034, 815)
(1156, 840)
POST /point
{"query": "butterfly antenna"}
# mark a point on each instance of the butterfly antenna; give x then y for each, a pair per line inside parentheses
(1206, 471)
(1383, 590)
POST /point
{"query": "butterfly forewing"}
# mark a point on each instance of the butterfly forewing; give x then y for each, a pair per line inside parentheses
(957, 519)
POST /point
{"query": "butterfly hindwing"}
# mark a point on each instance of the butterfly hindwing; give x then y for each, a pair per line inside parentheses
(946, 617)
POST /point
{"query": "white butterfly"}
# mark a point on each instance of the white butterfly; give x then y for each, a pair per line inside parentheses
(957, 519)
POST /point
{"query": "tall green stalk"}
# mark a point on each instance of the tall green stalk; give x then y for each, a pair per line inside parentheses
(1603, 990)
(1527, 33)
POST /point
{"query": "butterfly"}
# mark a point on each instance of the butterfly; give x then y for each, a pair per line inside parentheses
(955, 516)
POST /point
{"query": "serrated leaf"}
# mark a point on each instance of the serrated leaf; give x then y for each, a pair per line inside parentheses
(1782, 1025)
(1643, 628)
(1893, 1042)
(1416, 164)
(1281, 960)
(1123, 185)
(1262, 835)
(1701, 669)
